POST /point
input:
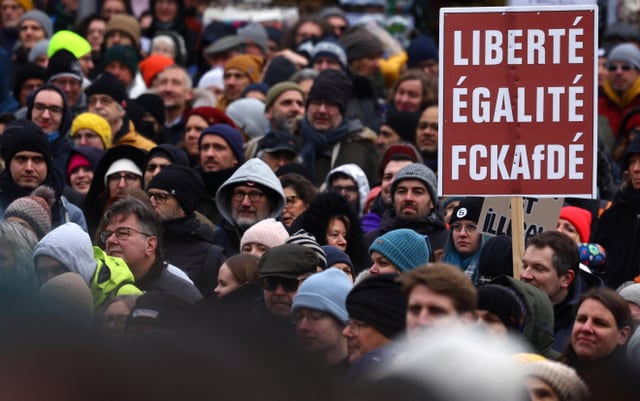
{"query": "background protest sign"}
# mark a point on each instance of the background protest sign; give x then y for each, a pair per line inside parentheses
(518, 101)
(539, 214)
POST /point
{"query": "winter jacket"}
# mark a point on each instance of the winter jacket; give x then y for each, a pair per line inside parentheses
(188, 244)
(565, 312)
(538, 325)
(614, 107)
(432, 225)
(105, 276)
(158, 278)
(129, 136)
(618, 231)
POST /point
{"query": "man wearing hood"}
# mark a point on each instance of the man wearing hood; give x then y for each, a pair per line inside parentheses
(351, 182)
(415, 206)
(27, 155)
(49, 109)
(251, 194)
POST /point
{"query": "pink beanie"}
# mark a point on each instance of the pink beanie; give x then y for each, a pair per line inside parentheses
(267, 232)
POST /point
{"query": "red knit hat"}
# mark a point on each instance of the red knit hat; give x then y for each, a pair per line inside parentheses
(580, 218)
(211, 115)
(153, 65)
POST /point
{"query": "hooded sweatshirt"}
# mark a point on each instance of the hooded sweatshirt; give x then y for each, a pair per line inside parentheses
(70, 245)
(258, 172)
(356, 174)
(255, 171)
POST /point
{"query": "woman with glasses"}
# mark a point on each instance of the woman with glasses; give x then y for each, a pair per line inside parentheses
(299, 193)
(465, 238)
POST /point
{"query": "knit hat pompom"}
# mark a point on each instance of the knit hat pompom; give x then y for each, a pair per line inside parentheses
(267, 232)
(404, 248)
(34, 209)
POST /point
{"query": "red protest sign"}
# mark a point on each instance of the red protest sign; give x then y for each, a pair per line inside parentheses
(518, 101)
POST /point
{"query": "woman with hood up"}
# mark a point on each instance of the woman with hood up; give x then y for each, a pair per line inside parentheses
(333, 221)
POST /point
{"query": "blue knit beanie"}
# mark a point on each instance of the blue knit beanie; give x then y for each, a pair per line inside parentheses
(229, 134)
(325, 291)
(335, 255)
(405, 248)
(421, 48)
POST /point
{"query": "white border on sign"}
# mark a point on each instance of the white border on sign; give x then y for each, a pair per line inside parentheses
(513, 9)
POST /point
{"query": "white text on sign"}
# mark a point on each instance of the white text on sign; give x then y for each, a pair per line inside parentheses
(530, 46)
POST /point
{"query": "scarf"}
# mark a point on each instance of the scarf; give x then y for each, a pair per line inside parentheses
(318, 142)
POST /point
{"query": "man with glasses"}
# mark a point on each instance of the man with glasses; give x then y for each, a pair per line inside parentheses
(621, 90)
(281, 270)
(189, 244)
(132, 232)
(251, 194)
(48, 108)
(320, 313)
(329, 136)
(377, 310)
(119, 172)
(107, 97)
(65, 72)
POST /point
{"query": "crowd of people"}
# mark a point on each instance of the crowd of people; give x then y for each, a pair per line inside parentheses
(188, 208)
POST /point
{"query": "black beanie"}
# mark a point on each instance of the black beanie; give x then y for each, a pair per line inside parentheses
(107, 84)
(170, 152)
(404, 123)
(495, 259)
(182, 182)
(152, 104)
(468, 209)
(502, 302)
(21, 135)
(25, 72)
(64, 64)
(379, 302)
(331, 85)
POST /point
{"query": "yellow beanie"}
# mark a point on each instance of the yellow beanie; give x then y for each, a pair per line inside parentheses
(96, 124)
(26, 4)
(249, 64)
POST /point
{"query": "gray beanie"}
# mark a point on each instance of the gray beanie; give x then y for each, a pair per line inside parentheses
(631, 293)
(42, 18)
(417, 171)
(562, 379)
(39, 49)
(626, 52)
(257, 34)
(325, 291)
(248, 114)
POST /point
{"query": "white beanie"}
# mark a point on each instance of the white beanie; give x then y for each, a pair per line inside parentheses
(211, 78)
(267, 232)
(122, 165)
